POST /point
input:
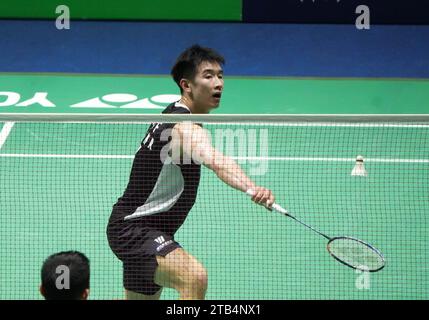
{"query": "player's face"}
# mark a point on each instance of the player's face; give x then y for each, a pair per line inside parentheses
(207, 86)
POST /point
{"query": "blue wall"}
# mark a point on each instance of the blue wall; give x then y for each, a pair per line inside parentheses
(250, 49)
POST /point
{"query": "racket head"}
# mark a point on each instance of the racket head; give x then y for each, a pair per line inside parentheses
(356, 254)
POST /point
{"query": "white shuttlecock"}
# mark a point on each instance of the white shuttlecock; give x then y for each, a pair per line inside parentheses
(359, 169)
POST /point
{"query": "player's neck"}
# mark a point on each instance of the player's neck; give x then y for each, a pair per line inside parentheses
(189, 103)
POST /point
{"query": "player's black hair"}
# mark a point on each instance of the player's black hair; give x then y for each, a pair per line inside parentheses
(187, 63)
(78, 270)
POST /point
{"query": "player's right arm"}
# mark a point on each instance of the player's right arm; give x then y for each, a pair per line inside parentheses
(195, 143)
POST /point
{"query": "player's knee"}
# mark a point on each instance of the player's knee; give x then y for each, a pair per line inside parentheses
(197, 278)
(202, 278)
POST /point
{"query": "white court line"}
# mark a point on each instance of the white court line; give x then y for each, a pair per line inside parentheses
(65, 156)
(4, 133)
(90, 156)
(331, 159)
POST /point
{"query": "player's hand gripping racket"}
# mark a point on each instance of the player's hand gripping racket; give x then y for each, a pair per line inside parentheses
(352, 252)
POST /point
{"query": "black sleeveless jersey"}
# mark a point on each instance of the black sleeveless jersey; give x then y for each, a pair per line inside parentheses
(159, 193)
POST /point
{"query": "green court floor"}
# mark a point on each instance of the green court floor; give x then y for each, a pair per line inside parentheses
(59, 182)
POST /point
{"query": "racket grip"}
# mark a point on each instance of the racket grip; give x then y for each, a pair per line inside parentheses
(275, 206)
(279, 209)
(250, 192)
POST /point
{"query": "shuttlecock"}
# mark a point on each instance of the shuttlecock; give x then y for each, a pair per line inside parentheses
(359, 169)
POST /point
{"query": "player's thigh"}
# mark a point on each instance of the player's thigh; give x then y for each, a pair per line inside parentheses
(178, 268)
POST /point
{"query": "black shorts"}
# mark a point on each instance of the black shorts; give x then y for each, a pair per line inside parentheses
(137, 247)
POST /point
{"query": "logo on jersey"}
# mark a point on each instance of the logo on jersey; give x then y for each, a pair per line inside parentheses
(161, 240)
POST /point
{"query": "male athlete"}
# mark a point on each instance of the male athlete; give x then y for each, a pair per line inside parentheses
(162, 189)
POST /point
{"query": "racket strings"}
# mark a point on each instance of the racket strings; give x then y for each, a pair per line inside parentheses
(356, 254)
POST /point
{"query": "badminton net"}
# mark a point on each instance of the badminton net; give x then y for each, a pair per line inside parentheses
(360, 176)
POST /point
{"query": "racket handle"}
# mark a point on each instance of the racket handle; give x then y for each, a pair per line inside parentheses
(275, 206)
(280, 209)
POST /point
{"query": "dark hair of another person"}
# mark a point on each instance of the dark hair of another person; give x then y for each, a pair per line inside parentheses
(78, 266)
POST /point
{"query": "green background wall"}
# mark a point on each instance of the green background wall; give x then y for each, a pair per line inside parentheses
(224, 10)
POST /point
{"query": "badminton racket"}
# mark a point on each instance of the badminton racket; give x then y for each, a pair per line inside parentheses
(351, 252)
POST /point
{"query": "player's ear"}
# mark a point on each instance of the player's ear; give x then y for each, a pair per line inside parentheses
(42, 290)
(85, 294)
(185, 85)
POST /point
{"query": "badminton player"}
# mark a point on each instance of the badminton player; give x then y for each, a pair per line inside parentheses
(162, 190)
